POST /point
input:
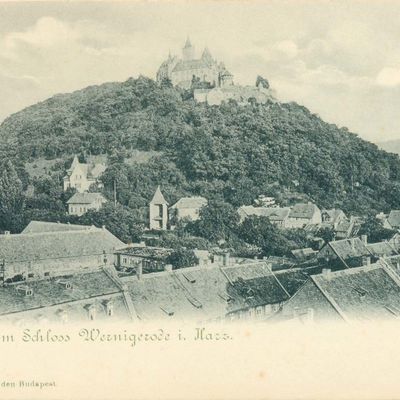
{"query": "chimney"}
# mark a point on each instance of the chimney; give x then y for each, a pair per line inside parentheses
(225, 259)
(139, 271)
(168, 268)
(327, 273)
(364, 239)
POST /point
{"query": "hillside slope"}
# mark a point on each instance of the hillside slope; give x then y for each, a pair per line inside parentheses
(229, 151)
(392, 146)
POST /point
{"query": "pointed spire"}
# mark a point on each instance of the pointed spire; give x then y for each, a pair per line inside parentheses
(187, 43)
(75, 162)
(158, 197)
(206, 54)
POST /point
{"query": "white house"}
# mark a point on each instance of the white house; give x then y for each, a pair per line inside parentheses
(188, 207)
(80, 203)
(81, 176)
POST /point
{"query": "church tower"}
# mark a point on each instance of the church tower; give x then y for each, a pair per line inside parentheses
(158, 214)
(188, 51)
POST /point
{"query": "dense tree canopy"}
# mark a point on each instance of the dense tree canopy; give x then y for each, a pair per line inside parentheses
(230, 152)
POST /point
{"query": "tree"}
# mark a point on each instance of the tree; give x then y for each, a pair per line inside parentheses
(182, 258)
(117, 219)
(374, 230)
(218, 221)
(260, 232)
(12, 199)
(327, 234)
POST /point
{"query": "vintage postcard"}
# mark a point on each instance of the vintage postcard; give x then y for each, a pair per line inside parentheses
(200, 200)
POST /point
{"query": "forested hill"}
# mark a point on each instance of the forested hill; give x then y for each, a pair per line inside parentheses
(229, 151)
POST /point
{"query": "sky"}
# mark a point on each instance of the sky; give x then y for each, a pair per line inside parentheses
(341, 59)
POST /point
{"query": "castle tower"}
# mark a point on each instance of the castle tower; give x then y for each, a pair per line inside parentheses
(206, 56)
(188, 51)
(158, 207)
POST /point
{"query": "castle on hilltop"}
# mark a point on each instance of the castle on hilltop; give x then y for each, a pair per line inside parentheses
(180, 71)
(210, 80)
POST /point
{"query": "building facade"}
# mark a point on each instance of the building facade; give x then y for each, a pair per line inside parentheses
(181, 71)
(81, 176)
(33, 256)
(80, 203)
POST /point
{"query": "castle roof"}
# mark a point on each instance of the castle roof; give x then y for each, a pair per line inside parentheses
(190, 64)
(158, 197)
(187, 43)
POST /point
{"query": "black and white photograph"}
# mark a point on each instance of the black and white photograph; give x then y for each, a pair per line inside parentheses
(224, 167)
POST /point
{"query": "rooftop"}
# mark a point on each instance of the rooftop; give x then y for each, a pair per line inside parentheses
(381, 249)
(273, 213)
(158, 253)
(158, 197)
(207, 293)
(51, 292)
(303, 210)
(86, 198)
(190, 202)
(367, 292)
(44, 226)
(57, 244)
(349, 248)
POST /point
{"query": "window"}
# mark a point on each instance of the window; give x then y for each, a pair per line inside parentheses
(31, 275)
(160, 210)
(47, 274)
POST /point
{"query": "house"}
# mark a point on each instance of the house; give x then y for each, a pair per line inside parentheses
(158, 211)
(142, 259)
(304, 254)
(303, 214)
(81, 176)
(277, 215)
(187, 207)
(394, 241)
(333, 217)
(80, 203)
(381, 249)
(239, 292)
(346, 253)
(359, 294)
(32, 256)
(44, 226)
(84, 296)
